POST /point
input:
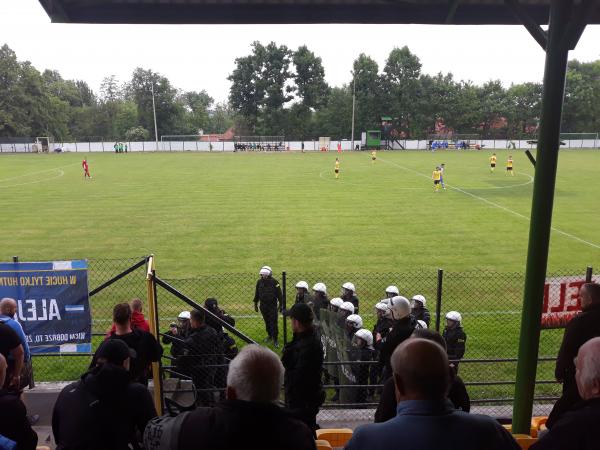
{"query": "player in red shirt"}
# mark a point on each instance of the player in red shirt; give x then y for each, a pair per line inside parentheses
(86, 169)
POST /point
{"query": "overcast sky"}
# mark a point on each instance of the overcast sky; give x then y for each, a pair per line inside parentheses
(196, 57)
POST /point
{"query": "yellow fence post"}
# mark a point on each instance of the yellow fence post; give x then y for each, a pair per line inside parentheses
(153, 316)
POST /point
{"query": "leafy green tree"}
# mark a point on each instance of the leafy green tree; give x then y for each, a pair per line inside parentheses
(524, 107)
(581, 112)
(137, 134)
(311, 87)
(367, 85)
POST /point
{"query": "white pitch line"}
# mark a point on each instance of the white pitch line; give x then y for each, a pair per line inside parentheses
(496, 205)
(41, 180)
(35, 173)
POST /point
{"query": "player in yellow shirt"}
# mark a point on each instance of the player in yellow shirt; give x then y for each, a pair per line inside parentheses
(337, 168)
(493, 159)
(509, 166)
(373, 156)
(437, 178)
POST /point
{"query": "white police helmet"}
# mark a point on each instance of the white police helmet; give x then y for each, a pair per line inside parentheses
(184, 315)
(366, 336)
(355, 320)
(385, 301)
(419, 298)
(454, 315)
(347, 306)
(337, 302)
(349, 286)
(422, 324)
(302, 284)
(399, 307)
(392, 290)
(320, 287)
(265, 270)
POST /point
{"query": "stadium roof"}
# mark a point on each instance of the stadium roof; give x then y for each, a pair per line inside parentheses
(457, 12)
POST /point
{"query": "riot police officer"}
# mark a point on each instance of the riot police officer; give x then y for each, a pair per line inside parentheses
(268, 298)
(302, 294)
(455, 338)
(349, 295)
(419, 311)
(320, 300)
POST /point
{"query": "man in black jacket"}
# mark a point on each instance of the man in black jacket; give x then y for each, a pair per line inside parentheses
(13, 415)
(203, 352)
(404, 325)
(250, 417)
(576, 428)
(104, 409)
(303, 362)
(268, 297)
(579, 330)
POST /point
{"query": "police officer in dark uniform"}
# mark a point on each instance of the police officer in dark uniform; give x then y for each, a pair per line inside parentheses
(319, 300)
(268, 293)
(203, 352)
(419, 311)
(302, 294)
(349, 295)
(302, 359)
(455, 338)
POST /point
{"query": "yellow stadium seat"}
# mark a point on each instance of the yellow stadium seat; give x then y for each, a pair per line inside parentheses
(323, 445)
(532, 430)
(337, 437)
(524, 441)
(538, 422)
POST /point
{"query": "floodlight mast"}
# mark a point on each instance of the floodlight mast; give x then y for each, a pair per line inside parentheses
(154, 112)
(353, 105)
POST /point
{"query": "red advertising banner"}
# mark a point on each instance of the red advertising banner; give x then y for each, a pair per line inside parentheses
(561, 301)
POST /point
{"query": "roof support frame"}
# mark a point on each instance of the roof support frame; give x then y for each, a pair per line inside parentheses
(562, 17)
(534, 29)
(578, 23)
(452, 7)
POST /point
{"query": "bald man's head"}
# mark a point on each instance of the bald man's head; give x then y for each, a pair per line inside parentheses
(8, 307)
(420, 370)
(587, 366)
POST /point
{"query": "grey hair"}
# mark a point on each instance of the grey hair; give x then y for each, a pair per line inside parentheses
(256, 374)
(590, 365)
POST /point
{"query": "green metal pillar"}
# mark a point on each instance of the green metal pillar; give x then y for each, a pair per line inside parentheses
(541, 212)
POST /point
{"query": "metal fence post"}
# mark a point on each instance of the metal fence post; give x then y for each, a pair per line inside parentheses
(153, 311)
(588, 274)
(438, 299)
(15, 259)
(284, 305)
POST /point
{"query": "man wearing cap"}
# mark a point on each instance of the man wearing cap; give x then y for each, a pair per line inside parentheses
(302, 359)
(268, 297)
(104, 409)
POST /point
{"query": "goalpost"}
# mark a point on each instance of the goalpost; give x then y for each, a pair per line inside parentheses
(580, 140)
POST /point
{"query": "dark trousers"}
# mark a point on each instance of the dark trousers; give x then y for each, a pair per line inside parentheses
(307, 414)
(269, 313)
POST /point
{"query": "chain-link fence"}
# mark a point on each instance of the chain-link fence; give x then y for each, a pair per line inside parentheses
(110, 281)
(489, 303)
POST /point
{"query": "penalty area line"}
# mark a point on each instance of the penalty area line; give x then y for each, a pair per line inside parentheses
(496, 205)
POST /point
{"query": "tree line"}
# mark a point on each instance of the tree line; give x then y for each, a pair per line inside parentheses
(279, 91)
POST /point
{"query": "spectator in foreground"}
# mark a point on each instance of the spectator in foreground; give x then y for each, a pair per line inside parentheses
(425, 419)
(250, 417)
(138, 321)
(303, 362)
(8, 309)
(576, 429)
(579, 330)
(104, 409)
(10, 347)
(457, 394)
(146, 347)
(14, 424)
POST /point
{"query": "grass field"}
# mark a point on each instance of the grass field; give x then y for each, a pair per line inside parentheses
(215, 214)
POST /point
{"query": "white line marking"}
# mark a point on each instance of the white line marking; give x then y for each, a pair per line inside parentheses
(35, 173)
(41, 180)
(504, 208)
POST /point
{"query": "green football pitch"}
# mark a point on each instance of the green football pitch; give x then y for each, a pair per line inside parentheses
(213, 213)
(226, 215)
